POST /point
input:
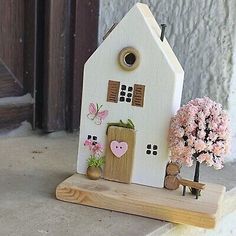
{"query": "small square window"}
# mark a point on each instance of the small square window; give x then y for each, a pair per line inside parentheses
(154, 153)
(148, 152)
(129, 95)
(122, 93)
(149, 146)
(154, 147)
(128, 99)
(89, 136)
(123, 87)
(130, 89)
(95, 138)
(122, 99)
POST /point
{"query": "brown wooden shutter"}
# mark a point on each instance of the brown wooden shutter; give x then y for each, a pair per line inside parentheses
(138, 95)
(113, 91)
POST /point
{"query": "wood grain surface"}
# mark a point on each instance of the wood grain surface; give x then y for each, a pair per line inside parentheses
(12, 36)
(8, 85)
(119, 169)
(157, 203)
(13, 115)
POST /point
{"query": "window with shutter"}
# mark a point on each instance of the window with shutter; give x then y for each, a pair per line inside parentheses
(138, 95)
(113, 91)
(126, 93)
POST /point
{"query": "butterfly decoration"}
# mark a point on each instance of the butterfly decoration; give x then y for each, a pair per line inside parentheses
(96, 114)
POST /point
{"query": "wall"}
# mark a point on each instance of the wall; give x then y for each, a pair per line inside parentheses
(232, 107)
(201, 33)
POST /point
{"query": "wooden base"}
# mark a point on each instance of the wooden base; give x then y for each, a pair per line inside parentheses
(146, 201)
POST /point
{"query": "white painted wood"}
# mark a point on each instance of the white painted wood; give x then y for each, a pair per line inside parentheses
(159, 71)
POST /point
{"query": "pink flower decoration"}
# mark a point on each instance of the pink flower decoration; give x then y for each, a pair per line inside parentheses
(188, 161)
(88, 142)
(95, 148)
(200, 131)
(199, 145)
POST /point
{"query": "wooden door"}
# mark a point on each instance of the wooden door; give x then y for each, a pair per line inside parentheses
(70, 37)
(43, 47)
(17, 61)
(119, 164)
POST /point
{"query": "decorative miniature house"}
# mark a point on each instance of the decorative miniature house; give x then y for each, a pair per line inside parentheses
(134, 74)
(132, 87)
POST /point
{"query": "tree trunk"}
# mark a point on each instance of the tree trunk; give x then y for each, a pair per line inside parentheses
(196, 176)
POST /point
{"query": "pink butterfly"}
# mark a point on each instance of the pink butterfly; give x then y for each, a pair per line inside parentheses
(95, 113)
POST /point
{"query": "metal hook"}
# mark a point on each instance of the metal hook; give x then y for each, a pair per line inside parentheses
(163, 26)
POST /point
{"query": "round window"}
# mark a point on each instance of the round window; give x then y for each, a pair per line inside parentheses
(129, 58)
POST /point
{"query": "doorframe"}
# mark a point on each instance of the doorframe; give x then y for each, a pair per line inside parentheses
(30, 51)
(70, 37)
(19, 49)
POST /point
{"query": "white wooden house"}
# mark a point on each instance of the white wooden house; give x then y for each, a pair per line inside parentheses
(134, 75)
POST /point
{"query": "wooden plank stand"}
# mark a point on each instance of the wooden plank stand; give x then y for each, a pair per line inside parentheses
(157, 203)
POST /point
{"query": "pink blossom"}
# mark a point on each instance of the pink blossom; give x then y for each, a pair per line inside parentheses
(213, 136)
(209, 146)
(201, 116)
(199, 145)
(191, 140)
(218, 165)
(200, 131)
(201, 158)
(188, 161)
(201, 134)
(88, 143)
(209, 159)
(213, 125)
(180, 132)
(218, 148)
(187, 152)
(178, 149)
(202, 124)
(95, 148)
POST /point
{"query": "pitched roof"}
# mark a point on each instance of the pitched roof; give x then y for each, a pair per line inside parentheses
(142, 11)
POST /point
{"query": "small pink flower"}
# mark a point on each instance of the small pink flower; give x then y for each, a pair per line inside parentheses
(212, 136)
(213, 125)
(201, 158)
(95, 148)
(188, 161)
(201, 134)
(201, 116)
(88, 143)
(191, 140)
(218, 148)
(209, 145)
(218, 165)
(202, 125)
(199, 145)
(180, 132)
(209, 162)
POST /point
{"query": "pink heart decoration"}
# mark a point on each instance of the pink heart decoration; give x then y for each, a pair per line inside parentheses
(118, 148)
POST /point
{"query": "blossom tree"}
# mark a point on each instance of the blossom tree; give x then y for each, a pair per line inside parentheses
(199, 132)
